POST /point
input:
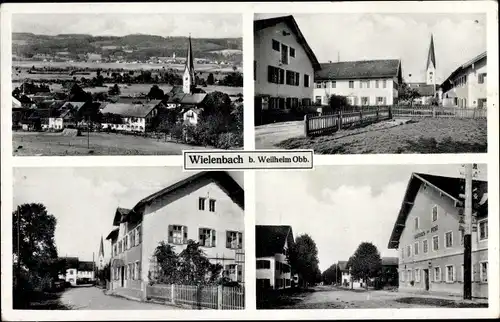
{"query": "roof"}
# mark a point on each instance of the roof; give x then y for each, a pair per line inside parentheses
(16, 102)
(342, 265)
(189, 60)
(270, 240)
(55, 104)
(194, 109)
(462, 68)
(120, 215)
(448, 186)
(130, 110)
(113, 234)
(431, 57)
(390, 261)
(424, 89)
(292, 24)
(193, 98)
(41, 113)
(383, 68)
(86, 266)
(75, 105)
(222, 178)
(71, 262)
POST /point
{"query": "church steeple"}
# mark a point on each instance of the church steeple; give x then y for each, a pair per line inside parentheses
(101, 255)
(188, 80)
(431, 64)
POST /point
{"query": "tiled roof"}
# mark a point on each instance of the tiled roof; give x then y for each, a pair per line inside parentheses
(469, 63)
(270, 240)
(129, 110)
(75, 105)
(193, 98)
(359, 69)
(390, 261)
(342, 265)
(425, 90)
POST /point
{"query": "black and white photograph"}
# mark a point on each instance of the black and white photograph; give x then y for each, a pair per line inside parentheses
(127, 238)
(126, 84)
(373, 236)
(387, 83)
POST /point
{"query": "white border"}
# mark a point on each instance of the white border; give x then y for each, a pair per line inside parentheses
(247, 10)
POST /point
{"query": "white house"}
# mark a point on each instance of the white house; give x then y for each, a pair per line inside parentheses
(367, 82)
(61, 119)
(346, 279)
(466, 85)
(134, 117)
(428, 233)
(192, 115)
(206, 207)
(272, 243)
(284, 65)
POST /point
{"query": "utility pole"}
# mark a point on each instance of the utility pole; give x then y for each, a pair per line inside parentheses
(88, 132)
(467, 233)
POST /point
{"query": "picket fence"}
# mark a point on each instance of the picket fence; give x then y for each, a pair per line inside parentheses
(215, 297)
(325, 124)
(438, 111)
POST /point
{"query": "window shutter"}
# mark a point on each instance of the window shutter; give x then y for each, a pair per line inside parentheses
(240, 240)
(270, 74)
(228, 239)
(170, 234)
(213, 237)
(282, 76)
(297, 79)
(200, 233)
(185, 230)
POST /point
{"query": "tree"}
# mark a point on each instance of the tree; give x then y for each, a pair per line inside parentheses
(210, 79)
(303, 259)
(406, 93)
(337, 103)
(365, 263)
(332, 275)
(217, 102)
(77, 94)
(156, 93)
(115, 90)
(168, 264)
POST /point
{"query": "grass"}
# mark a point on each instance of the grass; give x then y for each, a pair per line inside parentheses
(426, 135)
(43, 143)
(440, 302)
(46, 301)
(276, 299)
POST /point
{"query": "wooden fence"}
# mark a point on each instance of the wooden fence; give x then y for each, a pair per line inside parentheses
(215, 297)
(324, 124)
(438, 111)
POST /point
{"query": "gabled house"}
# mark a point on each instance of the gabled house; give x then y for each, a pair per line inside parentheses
(271, 247)
(428, 233)
(366, 82)
(207, 207)
(346, 278)
(192, 114)
(62, 118)
(134, 117)
(284, 65)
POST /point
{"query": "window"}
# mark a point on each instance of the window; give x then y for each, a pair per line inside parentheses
(381, 100)
(410, 276)
(292, 52)
(275, 75)
(450, 273)
(415, 220)
(207, 237)
(365, 100)
(177, 234)
(415, 248)
(120, 248)
(132, 238)
(435, 213)
(234, 240)
(211, 205)
(437, 274)
(125, 242)
(306, 102)
(292, 78)
(483, 229)
(351, 84)
(461, 234)
(384, 83)
(481, 78)
(284, 54)
(276, 45)
(376, 83)
(115, 249)
(402, 273)
(263, 283)
(366, 84)
(318, 85)
(137, 275)
(317, 99)
(448, 239)
(138, 235)
(417, 275)
(408, 251)
(425, 246)
(435, 243)
(306, 80)
(483, 272)
(201, 203)
(263, 264)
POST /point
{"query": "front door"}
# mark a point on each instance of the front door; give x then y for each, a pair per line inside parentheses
(426, 279)
(122, 276)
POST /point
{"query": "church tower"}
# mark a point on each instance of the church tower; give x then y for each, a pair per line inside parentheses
(100, 263)
(431, 65)
(188, 80)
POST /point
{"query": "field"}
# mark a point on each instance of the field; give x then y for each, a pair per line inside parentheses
(426, 135)
(43, 144)
(135, 89)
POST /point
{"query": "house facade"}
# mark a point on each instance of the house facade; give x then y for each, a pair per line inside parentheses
(466, 86)
(206, 207)
(273, 269)
(370, 82)
(133, 117)
(346, 279)
(284, 65)
(429, 236)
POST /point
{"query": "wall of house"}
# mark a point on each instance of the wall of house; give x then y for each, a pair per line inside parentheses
(56, 123)
(264, 55)
(354, 94)
(181, 208)
(267, 273)
(71, 275)
(85, 274)
(131, 255)
(471, 91)
(477, 91)
(411, 268)
(191, 117)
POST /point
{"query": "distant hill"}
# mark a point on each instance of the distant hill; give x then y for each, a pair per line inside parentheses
(136, 46)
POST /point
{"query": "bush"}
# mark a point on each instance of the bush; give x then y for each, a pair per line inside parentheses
(228, 140)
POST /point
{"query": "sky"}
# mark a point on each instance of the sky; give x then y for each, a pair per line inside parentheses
(341, 206)
(84, 199)
(457, 38)
(199, 25)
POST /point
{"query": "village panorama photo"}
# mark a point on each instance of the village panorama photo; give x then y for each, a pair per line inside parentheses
(156, 238)
(126, 84)
(388, 83)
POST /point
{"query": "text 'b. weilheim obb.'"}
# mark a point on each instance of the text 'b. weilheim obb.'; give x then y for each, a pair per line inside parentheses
(248, 160)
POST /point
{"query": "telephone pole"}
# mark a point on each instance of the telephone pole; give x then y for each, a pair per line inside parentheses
(467, 233)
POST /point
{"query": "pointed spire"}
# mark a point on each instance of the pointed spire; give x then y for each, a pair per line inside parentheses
(101, 248)
(431, 57)
(189, 58)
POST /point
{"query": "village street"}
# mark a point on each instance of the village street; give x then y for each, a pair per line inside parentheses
(330, 297)
(93, 298)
